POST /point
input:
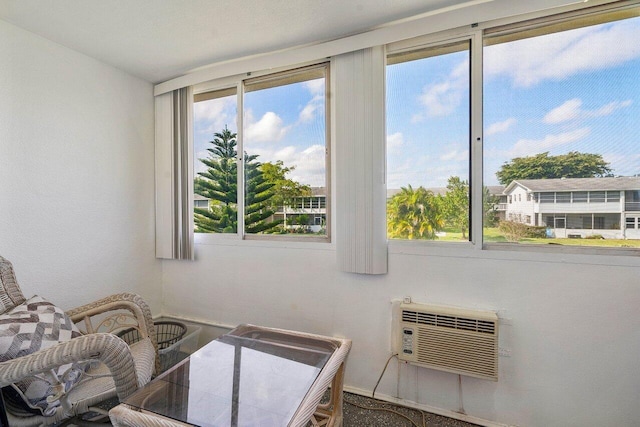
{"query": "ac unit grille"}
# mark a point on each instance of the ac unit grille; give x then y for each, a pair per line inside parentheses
(449, 339)
(448, 321)
(457, 353)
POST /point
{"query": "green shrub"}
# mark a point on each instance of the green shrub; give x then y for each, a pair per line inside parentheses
(595, 236)
(514, 231)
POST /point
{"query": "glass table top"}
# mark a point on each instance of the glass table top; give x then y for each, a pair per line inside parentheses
(245, 378)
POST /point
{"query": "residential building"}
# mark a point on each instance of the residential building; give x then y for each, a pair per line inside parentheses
(500, 207)
(308, 212)
(577, 207)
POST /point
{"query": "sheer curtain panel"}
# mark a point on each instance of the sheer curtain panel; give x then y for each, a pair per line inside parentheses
(174, 175)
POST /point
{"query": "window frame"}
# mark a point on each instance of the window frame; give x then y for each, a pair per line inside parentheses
(476, 34)
(237, 83)
(489, 250)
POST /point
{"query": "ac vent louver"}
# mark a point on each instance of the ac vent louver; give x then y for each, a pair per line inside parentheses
(450, 339)
(445, 321)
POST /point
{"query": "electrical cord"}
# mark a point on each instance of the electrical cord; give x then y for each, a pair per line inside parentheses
(382, 373)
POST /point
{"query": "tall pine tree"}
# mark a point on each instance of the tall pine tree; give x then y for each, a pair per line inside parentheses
(219, 185)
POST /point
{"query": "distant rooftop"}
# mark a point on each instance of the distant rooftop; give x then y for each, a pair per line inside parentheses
(579, 184)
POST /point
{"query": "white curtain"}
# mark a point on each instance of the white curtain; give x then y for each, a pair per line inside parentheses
(174, 175)
(361, 239)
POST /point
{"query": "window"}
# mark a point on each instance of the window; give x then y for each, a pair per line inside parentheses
(632, 200)
(547, 197)
(281, 177)
(598, 223)
(596, 196)
(613, 196)
(428, 128)
(580, 197)
(560, 112)
(215, 166)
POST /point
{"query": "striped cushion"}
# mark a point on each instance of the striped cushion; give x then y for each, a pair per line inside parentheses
(35, 325)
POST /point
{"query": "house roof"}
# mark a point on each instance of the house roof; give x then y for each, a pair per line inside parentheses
(622, 183)
(495, 190)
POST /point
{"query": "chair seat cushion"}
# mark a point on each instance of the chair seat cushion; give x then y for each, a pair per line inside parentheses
(34, 325)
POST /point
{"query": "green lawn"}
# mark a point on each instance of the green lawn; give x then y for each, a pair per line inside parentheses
(494, 235)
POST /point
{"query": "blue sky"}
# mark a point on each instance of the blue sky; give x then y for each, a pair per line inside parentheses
(572, 91)
(282, 123)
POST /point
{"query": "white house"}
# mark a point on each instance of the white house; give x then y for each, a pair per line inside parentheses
(578, 207)
(313, 209)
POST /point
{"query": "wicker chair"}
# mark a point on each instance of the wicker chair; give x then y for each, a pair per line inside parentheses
(123, 368)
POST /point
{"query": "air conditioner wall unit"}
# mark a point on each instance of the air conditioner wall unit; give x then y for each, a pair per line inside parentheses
(449, 339)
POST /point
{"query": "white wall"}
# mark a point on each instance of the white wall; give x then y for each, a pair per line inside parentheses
(572, 329)
(76, 173)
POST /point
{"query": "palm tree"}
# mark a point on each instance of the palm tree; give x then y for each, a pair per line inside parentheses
(414, 214)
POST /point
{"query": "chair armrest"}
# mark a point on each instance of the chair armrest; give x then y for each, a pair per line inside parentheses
(107, 348)
(95, 317)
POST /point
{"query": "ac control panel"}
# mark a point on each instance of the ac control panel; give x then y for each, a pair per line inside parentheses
(407, 341)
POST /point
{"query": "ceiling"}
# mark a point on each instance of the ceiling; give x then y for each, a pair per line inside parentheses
(157, 40)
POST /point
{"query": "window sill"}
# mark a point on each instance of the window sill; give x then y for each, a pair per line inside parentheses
(520, 252)
(280, 242)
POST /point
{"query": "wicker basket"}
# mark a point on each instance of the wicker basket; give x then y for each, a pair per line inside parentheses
(167, 334)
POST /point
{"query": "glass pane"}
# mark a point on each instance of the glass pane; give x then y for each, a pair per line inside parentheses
(580, 197)
(285, 154)
(428, 144)
(613, 196)
(596, 196)
(215, 166)
(561, 113)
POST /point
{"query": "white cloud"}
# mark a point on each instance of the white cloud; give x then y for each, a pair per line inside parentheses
(218, 112)
(525, 147)
(316, 87)
(269, 128)
(500, 127)
(609, 108)
(308, 113)
(442, 98)
(309, 162)
(560, 55)
(395, 142)
(456, 154)
(569, 110)
(572, 110)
